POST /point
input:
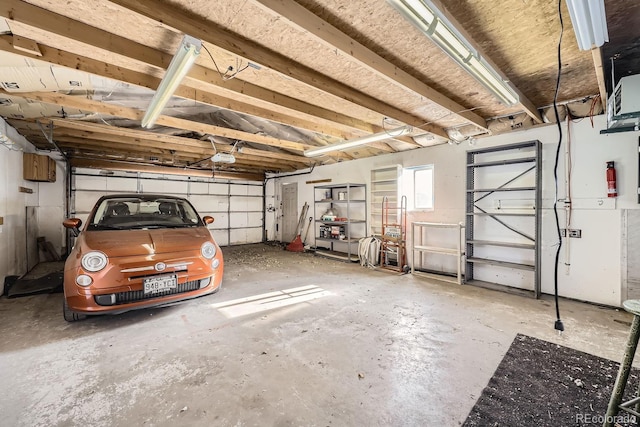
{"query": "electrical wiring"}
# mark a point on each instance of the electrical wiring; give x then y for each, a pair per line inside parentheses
(592, 109)
(225, 76)
(7, 143)
(570, 168)
(558, 323)
(388, 132)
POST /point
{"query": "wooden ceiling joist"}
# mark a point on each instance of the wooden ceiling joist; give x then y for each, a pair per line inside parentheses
(523, 101)
(210, 88)
(336, 39)
(139, 167)
(214, 34)
(123, 139)
(83, 103)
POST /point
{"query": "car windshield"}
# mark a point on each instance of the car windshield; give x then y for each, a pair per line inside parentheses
(143, 213)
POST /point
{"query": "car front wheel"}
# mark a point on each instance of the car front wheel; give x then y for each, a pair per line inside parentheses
(71, 316)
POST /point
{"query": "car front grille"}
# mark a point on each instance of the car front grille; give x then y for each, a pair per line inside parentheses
(134, 296)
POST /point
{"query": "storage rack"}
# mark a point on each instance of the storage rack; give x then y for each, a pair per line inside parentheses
(418, 229)
(529, 152)
(353, 207)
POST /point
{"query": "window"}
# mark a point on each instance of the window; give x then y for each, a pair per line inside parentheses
(419, 187)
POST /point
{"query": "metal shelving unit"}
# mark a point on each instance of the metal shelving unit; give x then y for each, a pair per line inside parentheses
(349, 200)
(417, 247)
(393, 241)
(529, 154)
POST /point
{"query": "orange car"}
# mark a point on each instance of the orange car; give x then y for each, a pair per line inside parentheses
(139, 251)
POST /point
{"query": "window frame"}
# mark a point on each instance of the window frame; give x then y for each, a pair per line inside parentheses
(409, 175)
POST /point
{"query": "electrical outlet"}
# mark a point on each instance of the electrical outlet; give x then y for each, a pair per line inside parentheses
(575, 233)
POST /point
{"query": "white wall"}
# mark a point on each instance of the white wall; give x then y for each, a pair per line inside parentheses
(595, 273)
(47, 197)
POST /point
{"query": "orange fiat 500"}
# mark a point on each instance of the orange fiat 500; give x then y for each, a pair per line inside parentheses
(139, 251)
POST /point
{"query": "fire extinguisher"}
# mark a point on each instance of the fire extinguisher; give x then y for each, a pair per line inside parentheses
(612, 191)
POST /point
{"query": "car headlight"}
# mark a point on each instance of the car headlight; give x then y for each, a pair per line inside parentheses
(94, 261)
(84, 280)
(208, 250)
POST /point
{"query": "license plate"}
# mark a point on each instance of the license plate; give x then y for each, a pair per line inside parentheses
(154, 285)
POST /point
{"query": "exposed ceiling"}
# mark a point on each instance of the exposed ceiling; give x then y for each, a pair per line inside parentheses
(280, 77)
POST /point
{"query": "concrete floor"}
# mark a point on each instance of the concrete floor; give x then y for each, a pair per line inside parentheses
(353, 347)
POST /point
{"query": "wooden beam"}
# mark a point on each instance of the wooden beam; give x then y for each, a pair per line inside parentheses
(137, 167)
(83, 103)
(26, 45)
(173, 142)
(216, 35)
(332, 37)
(596, 54)
(200, 78)
(523, 102)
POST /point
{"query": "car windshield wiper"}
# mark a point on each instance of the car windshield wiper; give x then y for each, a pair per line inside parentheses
(104, 227)
(144, 226)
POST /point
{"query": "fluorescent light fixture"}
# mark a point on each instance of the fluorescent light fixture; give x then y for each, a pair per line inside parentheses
(178, 68)
(589, 22)
(435, 25)
(359, 141)
(223, 158)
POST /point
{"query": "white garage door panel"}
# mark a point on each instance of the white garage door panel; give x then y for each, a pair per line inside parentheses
(221, 237)
(209, 203)
(239, 236)
(255, 219)
(198, 188)
(122, 185)
(239, 190)
(164, 187)
(238, 218)
(239, 203)
(254, 190)
(221, 221)
(255, 204)
(254, 235)
(215, 188)
(85, 200)
(92, 183)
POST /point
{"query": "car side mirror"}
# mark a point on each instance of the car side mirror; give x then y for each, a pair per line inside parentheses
(73, 224)
(207, 219)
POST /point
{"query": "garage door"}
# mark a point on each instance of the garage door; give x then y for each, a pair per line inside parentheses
(237, 206)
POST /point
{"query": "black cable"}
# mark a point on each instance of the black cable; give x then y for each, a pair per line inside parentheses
(558, 324)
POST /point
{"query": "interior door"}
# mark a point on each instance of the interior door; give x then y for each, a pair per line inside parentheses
(289, 211)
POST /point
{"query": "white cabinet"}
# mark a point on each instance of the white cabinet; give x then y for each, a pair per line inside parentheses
(384, 183)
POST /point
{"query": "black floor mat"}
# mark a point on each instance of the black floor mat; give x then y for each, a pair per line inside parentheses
(44, 278)
(539, 383)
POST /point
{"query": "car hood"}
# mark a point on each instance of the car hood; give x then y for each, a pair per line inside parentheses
(117, 243)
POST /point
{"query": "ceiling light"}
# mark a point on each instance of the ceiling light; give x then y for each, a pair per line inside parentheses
(183, 60)
(589, 22)
(435, 25)
(359, 141)
(223, 158)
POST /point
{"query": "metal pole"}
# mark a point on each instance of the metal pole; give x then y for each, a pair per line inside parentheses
(623, 373)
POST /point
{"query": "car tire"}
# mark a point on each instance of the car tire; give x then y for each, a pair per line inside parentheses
(71, 316)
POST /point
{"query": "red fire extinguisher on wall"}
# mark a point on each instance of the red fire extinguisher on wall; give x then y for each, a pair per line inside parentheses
(612, 191)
